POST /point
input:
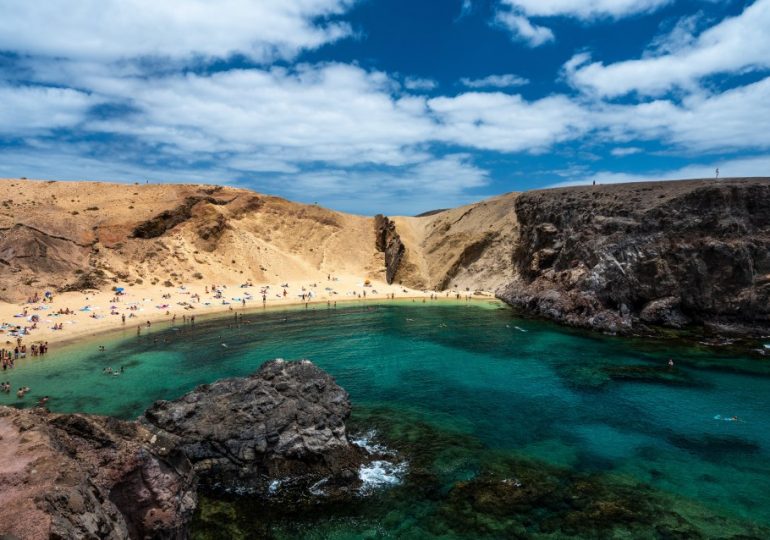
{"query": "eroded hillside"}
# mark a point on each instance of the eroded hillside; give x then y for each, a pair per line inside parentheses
(470, 247)
(72, 235)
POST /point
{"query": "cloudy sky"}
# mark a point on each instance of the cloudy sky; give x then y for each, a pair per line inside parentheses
(395, 106)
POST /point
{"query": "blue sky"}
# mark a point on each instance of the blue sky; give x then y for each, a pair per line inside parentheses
(395, 106)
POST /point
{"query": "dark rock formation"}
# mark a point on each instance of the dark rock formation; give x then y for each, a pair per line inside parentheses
(286, 420)
(169, 219)
(389, 242)
(92, 279)
(613, 258)
(79, 476)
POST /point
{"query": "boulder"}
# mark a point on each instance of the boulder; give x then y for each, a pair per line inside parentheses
(80, 476)
(285, 421)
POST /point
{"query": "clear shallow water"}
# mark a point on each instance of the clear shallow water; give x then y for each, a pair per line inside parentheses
(507, 433)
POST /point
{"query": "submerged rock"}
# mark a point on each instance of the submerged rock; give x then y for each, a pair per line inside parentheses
(80, 476)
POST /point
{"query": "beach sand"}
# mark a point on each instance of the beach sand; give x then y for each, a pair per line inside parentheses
(95, 312)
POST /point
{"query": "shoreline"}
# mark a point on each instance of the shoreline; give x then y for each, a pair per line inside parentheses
(254, 310)
(82, 326)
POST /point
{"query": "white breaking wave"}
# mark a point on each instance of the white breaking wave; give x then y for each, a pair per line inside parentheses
(379, 474)
(365, 441)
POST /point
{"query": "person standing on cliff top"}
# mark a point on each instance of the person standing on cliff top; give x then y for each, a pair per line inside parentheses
(717, 173)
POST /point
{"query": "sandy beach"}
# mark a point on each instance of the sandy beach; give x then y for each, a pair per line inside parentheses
(89, 313)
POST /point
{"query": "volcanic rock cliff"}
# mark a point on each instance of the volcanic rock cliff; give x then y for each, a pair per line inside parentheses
(79, 476)
(388, 241)
(621, 257)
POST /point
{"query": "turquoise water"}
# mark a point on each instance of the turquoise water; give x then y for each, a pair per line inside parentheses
(506, 427)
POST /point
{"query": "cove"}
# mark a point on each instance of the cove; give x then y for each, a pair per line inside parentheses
(506, 427)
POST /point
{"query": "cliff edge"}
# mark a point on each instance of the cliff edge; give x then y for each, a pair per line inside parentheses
(618, 258)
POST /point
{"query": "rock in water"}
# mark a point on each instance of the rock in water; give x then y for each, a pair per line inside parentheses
(287, 421)
(80, 476)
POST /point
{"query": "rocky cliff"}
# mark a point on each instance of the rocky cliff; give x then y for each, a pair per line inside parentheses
(79, 476)
(462, 249)
(617, 258)
(388, 242)
(620, 258)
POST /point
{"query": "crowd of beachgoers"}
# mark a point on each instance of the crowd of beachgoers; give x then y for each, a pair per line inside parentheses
(27, 328)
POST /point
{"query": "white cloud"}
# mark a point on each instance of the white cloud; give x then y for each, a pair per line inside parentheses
(466, 8)
(625, 151)
(734, 168)
(735, 45)
(333, 113)
(416, 83)
(733, 120)
(508, 123)
(681, 36)
(516, 14)
(442, 182)
(119, 29)
(29, 110)
(495, 81)
(585, 9)
(523, 30)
